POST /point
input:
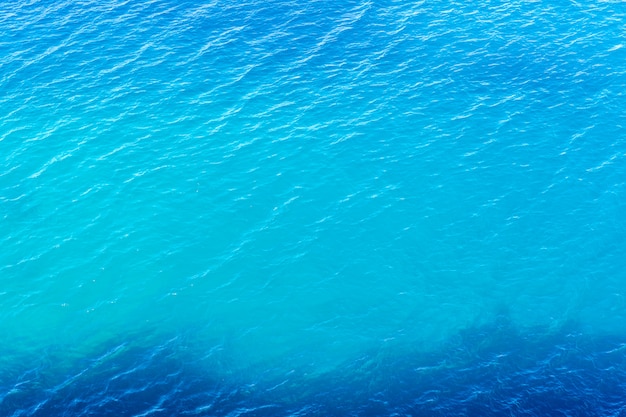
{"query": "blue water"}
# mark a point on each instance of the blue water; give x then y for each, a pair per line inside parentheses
(312, 208)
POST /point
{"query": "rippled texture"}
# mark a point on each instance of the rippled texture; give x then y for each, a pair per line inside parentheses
(312, 208)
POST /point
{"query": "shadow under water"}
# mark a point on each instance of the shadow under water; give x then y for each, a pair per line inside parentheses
(492, 369)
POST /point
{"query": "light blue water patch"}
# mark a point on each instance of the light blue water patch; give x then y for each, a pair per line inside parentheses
(284, 188)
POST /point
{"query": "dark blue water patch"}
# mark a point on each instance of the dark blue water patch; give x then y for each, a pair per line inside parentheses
(493, 369)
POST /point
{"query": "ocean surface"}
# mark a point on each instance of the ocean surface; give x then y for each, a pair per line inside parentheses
(312, 208)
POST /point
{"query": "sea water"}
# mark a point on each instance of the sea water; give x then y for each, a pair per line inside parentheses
(312, 208)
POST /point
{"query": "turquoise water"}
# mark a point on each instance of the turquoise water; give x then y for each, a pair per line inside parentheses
(312, 208)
